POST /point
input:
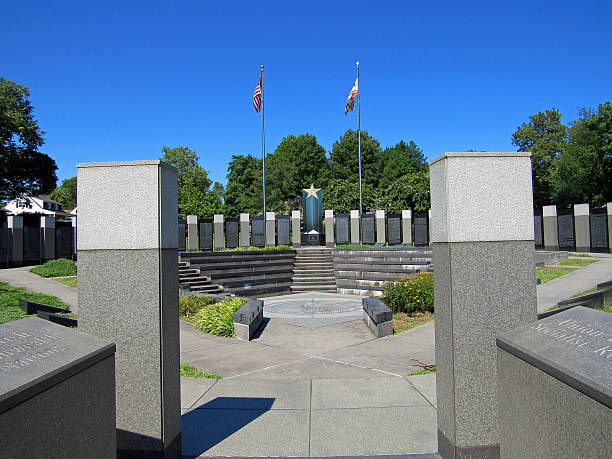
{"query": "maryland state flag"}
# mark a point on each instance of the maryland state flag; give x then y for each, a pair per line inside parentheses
(350, 102)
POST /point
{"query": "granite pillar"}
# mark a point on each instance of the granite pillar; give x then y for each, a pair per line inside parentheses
(549, 221)
(219, 239)
(15, 232)
(128, 293)
(355, 235)
(296, 233)
(245, 231)
(407, 227)
(47, 233)
(381, 237)
(582, 226)
(270, 229)
(329, 227)
(192, 233)
(482, 237)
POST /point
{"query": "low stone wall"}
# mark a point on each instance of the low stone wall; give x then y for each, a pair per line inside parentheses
(246, 273)
(545, 257)
(364, 271)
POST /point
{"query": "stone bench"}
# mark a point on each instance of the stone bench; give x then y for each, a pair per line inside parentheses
(377, 316)
(248, 318)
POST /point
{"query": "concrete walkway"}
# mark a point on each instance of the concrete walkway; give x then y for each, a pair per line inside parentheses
(585, 278)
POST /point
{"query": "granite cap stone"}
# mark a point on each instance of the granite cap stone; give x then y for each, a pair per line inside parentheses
(479, 154)
(581, 209)
(549, 211)
(406, 213)
(36, 354)
(354, 214)
(329, 213)
(574, 346)
(192, 219)
(244, 217)
(295, 214)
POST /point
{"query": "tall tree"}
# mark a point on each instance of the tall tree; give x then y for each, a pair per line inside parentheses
(23, 169)
(193, 184)
(66, 193)
(344, 158)
(410, 191)
(585, 165)
(297, 162)
(244, 186)
(343, 196)
(545, 136)
(401, 159)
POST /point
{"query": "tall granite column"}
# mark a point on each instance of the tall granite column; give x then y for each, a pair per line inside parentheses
(192, 233)
(270, 229)
(484, 286)
(329, 227)
(47, 230)
(219, 238)
(15, 238)
(128, 293)
(245, 231)
(296, 233)
(551, 232)
(407, 227)
(355, 234)
(381, 237)
(582, 227)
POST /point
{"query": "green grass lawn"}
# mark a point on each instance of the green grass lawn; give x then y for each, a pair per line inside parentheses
(577, 262)
(403, 321)
(56, 268)
(548, 274)
(594, 289)
(586, 255)
(9, 301)
(190, 371)
(69, 281)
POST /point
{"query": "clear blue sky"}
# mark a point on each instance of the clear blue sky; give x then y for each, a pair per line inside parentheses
(116, 81)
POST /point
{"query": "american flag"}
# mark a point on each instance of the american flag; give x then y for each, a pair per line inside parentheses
(257, 96)
(350, 102)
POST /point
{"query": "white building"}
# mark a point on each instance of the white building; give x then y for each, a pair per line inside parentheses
(35, 205)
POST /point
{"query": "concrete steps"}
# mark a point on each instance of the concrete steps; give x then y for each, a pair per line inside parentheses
(191, 278)
(313, 271)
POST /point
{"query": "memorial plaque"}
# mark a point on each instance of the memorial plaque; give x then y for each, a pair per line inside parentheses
(368, 229)
(63, 239)
(394, 224)
(258, 231)
(538, 231)
(342, 229)
(421, 228)
(231, 233)
(31, 242)
(206, 234)
(567, 239)
(53, 375)
(283, 223)
(182, 235)
(3, 247)
(599, 230)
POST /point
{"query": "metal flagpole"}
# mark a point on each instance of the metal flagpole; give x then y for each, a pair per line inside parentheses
(263, 153)
(359, 144)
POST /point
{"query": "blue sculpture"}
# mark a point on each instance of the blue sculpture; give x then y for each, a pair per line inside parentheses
(312, 205)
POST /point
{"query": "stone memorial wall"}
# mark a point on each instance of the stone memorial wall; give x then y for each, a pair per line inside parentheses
(368, 229)
(258, 231)
(421, 228)
(538, 231)
(599, 230)
(283, 226)
(206, 234)
(231, 233)
(182, 235)
(342, 229)
(565, 229)
(394, 224)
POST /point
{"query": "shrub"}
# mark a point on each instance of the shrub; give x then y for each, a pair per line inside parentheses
(56, 268)
(218, 319)
(413, 293)
(191, 304)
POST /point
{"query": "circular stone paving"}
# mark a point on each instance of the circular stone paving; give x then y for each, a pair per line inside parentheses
(313, 305)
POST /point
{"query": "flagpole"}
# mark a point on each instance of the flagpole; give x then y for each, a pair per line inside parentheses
(359, 142)
(263, 151)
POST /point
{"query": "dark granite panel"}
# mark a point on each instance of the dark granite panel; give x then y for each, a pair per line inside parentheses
(231, 233)
(567, 238)
(283, 223)
(206, 234)
(394, 223)
(258, 231)
(31, 243)
(599, 231)
(63, 239)
(421, 228)
(342, 229)
(538, 231)
(182, 235)
(368, 229)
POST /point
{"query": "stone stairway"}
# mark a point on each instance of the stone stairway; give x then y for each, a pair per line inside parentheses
(313, 271)
(192, 278)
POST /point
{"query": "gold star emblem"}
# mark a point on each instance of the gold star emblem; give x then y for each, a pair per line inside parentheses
(312, 191)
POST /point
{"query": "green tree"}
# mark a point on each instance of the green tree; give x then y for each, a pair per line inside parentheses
(410, 191)
(344, 159)
(400, 160)
(66, 193)
(244, 186)
(219, 189)
(193, 184)
(545, 136)
(23, 169)
(343, 196)
(585, 165)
